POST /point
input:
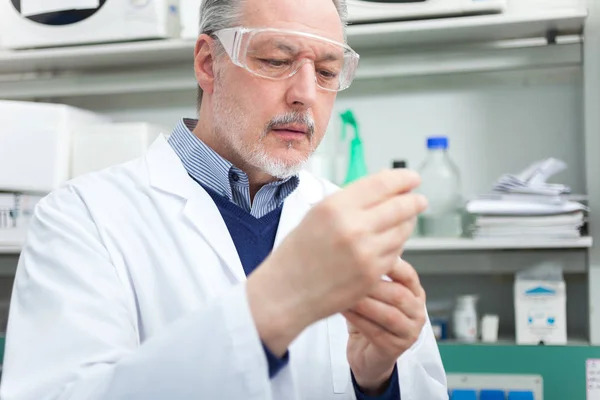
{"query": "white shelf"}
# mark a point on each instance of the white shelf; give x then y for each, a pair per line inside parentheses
(465, 244)
(151, 52)
(511, 341)
(474, 29)
(459, 244)
(498, 56)
(488, 57)
(467, 29)
(478, 44)
(10, 249)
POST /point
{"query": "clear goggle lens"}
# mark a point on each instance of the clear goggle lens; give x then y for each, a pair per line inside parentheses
(275, 54)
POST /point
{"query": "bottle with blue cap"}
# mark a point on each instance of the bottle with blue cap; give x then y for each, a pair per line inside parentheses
(440, 183)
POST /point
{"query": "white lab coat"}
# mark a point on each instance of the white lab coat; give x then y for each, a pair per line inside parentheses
(129, 287)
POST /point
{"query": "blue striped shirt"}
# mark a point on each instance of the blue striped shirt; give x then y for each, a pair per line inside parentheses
(213, 171)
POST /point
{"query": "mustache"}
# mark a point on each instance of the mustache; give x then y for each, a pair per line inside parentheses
(293, 117)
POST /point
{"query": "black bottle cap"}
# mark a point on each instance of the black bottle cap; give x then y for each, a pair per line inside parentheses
(399, 164)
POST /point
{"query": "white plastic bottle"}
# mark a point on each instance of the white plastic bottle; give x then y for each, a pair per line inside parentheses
(440, 183)
(465, 318)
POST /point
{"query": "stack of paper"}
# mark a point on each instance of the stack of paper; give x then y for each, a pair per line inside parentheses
(525, 206)
(533, 179)
(530, 226)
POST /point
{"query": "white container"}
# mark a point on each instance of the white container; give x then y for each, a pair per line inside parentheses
(374, 11)
(32, 24)
(35, 144)
(540, 312)
(100, 146)
(489, 328)
(190, 18)
(465, 318)
(540, 7)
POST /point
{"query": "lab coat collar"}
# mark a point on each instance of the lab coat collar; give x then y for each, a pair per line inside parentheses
(167, 174)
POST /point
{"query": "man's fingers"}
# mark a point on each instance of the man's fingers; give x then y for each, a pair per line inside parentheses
(404, 273)
(399, 296)
(372, 190)
(389, 244)
(397, 210)
(385, 316)
(376, 334)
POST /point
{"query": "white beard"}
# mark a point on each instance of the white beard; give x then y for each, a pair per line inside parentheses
(229, 122)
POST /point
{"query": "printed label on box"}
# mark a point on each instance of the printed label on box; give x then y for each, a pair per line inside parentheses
(592, 373)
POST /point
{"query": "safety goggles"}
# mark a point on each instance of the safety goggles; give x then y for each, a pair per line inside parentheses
(279, 54)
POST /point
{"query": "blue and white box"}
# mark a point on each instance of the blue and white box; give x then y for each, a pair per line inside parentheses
(541, 306)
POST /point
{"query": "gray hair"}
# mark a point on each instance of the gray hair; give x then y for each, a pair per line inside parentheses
(220, 14)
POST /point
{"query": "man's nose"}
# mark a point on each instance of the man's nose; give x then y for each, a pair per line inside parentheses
(302, 90)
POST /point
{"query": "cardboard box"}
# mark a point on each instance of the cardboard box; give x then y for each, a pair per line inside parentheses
(540, 312)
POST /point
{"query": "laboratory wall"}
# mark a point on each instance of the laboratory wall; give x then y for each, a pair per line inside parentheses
(496, 122)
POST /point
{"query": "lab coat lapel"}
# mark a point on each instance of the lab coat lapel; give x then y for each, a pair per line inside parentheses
(296, 206)
(203, 213)
(167, 173)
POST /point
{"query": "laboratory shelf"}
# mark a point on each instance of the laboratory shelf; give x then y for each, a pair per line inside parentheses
(563, 368)
(465, 244)
(113, 69)
(449, 244)
(467, 29)
(9, 249)
(11, 240)
(474, 29)
(458, 45)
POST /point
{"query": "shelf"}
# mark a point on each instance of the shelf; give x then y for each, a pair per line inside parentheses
(9, 249)
(424, 245)
(464, 244)
(458, 45)
(506, 56)
(467, 29)
(11, 241)
(510, 342)
(462, 30)
(110, 55)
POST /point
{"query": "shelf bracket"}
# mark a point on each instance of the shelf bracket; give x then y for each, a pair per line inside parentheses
(551, 36)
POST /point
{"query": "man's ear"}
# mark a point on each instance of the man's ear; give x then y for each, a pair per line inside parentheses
(204, 63)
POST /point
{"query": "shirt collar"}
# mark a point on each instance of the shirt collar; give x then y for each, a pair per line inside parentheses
(208, 168)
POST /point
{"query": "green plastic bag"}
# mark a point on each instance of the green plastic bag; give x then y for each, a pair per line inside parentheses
(357, 168)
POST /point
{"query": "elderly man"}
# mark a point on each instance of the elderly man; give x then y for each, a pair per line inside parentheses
(212, 268)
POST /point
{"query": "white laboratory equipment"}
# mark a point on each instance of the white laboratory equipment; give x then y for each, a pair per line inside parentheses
(540, 7)
(35, 144)
(190, 18)
(465, 319)
(51, 23)
(362, 11)
(440, 183)
(99, 146)
(482, 386)
(16, 210)
(377, 11)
